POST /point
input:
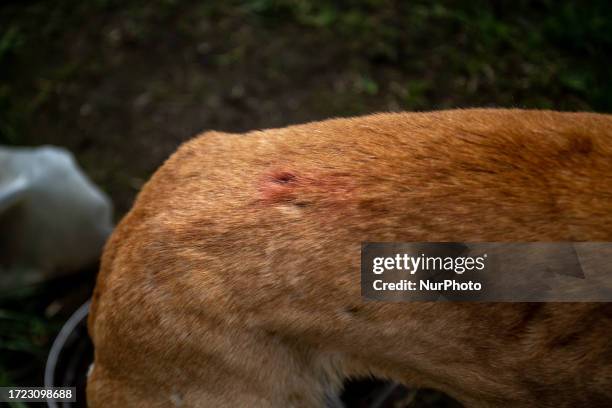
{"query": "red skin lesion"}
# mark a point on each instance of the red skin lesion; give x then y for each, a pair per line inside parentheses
(304, 188)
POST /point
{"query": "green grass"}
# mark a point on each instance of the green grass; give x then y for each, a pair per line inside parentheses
(25, 334)
(30, 318)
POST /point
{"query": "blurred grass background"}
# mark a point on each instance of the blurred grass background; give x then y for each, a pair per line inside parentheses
(122, 82)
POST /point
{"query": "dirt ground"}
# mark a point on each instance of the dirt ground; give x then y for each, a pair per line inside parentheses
(122, 83)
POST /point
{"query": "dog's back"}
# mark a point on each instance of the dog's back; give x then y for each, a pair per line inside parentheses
(234, 280)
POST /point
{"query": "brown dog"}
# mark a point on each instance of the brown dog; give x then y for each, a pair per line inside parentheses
(234, 280)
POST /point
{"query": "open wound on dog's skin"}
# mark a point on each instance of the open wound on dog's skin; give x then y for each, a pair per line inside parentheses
(302, 189)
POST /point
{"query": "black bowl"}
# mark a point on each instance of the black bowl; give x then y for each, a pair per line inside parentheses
(69, 359)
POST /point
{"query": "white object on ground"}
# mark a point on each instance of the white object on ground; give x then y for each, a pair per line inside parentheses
(53, 220)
